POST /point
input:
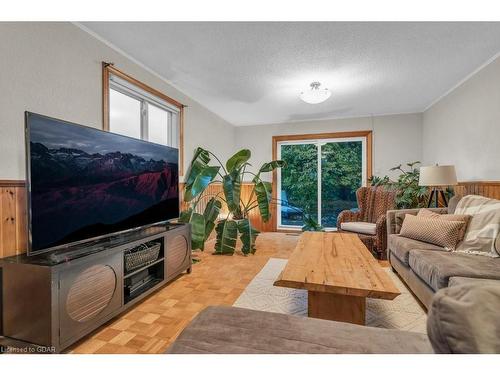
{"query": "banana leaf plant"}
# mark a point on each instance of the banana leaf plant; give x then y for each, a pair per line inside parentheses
(234, 223)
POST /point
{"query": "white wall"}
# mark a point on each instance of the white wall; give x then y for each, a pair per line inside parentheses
(396, 138)
(55, 69)
(463, 128)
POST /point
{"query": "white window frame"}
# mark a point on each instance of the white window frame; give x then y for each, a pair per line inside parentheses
(318, 142)
(147, 99)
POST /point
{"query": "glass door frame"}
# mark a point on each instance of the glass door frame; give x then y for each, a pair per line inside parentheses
(364, 136)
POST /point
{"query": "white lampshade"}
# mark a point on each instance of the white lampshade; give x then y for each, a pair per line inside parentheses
(437, 175)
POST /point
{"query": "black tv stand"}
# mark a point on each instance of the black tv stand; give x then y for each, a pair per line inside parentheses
(53, 300)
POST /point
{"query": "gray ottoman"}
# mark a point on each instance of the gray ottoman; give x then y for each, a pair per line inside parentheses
(231, 330)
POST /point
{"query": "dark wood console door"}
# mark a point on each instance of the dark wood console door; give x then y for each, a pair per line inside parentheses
(88, 294)
(178, 252)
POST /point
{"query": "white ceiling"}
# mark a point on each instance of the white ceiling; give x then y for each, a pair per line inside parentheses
(252, 73)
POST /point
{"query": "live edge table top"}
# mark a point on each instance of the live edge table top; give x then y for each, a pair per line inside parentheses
(337, 263)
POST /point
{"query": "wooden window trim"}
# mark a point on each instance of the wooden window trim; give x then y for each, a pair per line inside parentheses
(368, 134)
(108, 70)
(12, 183)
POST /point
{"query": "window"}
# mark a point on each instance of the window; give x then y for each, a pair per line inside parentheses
(133, 109)
(136, 113)
(321, 176)
(124, 114)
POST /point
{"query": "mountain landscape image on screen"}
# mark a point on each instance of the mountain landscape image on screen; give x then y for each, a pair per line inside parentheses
(87, 183)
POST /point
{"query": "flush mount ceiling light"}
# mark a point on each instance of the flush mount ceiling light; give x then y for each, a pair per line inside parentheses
(315, 94)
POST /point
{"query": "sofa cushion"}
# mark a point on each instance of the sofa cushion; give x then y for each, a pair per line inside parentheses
(232, 330)
(463, 319)
(401, 246)
(436, 267)
(458, 280)
(359, 227)
(438, 232)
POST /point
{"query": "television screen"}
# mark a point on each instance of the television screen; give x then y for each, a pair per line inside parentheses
(86, 183)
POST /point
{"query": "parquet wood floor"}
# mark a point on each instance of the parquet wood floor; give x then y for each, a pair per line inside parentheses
(152, 325)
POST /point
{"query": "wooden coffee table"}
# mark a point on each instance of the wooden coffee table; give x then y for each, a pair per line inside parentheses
(339, 273)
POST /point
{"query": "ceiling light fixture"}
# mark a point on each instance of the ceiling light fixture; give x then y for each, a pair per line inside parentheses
(315, 95)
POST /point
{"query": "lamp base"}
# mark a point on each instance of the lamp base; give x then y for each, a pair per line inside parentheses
(435, 193)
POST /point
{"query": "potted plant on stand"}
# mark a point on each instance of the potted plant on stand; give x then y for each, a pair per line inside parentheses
(408, 193)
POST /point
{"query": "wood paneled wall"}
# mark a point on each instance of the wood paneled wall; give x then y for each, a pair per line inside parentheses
(490, 189)
(13, 216)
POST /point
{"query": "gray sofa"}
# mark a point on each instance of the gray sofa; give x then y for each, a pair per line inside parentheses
(461, 292)
(426, 268)
(462, 319)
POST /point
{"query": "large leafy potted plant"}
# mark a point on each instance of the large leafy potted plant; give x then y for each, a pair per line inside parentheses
(408, 193)
(236, 221)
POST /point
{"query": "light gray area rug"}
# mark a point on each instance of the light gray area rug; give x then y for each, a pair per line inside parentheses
(403, 313)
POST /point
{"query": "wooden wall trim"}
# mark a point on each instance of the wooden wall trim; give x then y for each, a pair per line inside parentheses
(368, 134)
(12, 183)
(105, 96)
(490, 189)
(108, 70)
(309, 136)
(13, 218)
(479, 183)
(181, 141)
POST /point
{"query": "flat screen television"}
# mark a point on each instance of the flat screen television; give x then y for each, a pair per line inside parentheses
(85, 184)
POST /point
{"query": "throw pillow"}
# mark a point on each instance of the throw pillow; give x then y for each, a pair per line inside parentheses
(463, 319)
(484, 226)
(424, 212)
(435, 231)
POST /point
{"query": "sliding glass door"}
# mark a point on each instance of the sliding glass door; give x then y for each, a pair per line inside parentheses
(320, 179)
(298, 193)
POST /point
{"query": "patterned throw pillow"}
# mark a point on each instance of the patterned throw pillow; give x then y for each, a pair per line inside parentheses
(435, 231)
(424, 212)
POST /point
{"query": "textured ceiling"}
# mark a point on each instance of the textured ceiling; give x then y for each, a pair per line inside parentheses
(252, 73)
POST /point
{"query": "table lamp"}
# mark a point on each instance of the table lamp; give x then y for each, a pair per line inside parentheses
(437, 176)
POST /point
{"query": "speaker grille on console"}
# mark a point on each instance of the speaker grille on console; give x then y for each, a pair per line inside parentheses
(91, 292)
(177, 253)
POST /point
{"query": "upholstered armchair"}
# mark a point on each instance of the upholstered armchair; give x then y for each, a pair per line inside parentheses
(369, 222)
